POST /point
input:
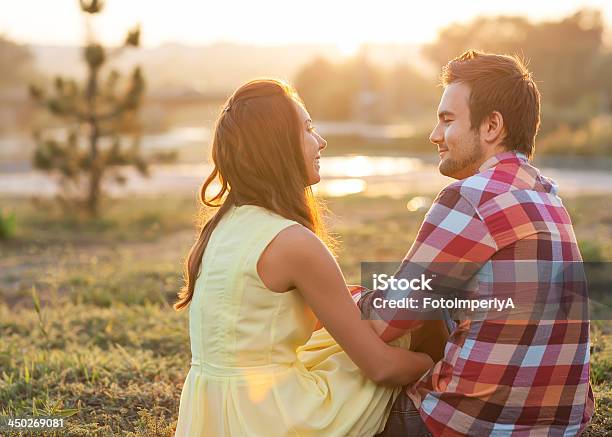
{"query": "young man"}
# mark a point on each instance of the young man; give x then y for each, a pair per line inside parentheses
(504, 223)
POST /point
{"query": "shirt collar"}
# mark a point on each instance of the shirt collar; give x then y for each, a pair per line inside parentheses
(503, 157)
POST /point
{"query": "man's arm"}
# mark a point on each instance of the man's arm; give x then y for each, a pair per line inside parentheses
(451, 246)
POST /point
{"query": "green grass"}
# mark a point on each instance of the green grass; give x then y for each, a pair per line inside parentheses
(104, 367)
(7, 225)
(138, 219)
(86, 322)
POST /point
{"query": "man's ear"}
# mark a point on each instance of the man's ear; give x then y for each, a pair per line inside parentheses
(492, 129)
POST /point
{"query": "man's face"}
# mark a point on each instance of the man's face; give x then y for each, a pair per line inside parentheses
(459, 146)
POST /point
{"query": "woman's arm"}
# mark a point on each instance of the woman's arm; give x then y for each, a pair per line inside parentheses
(310, 267)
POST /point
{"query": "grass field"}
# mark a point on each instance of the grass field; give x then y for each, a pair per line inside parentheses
(86, 326)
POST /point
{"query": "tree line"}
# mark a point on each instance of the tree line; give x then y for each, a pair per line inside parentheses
(568, 58)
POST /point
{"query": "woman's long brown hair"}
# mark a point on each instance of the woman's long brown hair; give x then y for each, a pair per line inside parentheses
(258, 160)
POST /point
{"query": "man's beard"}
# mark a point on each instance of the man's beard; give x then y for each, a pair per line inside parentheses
(457, 168)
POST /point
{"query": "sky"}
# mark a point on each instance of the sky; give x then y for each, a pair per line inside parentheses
(346, 24)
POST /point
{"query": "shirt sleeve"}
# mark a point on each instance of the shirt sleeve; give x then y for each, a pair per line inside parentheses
(452, 244)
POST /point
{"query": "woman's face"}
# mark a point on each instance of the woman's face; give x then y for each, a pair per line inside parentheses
(312, 144)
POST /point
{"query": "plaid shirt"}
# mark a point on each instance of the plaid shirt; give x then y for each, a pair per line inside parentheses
(503, 377)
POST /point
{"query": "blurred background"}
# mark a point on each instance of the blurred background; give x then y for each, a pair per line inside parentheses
(106, 111)
(368, 77)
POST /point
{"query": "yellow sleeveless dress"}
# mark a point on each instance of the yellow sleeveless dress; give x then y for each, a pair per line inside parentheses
(257, 368)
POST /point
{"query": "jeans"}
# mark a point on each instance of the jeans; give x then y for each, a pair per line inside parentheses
(404, 420)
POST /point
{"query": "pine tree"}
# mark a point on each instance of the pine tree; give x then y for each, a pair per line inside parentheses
(97, 116)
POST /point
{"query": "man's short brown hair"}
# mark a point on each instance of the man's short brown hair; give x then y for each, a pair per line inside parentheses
(499, 83)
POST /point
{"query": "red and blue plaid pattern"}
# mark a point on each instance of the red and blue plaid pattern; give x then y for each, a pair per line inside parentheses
(504, 377)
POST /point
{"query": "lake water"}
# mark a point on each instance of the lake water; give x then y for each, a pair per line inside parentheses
(395, 176)
(341, 175)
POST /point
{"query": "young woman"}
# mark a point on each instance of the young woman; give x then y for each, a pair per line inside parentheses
(258, 280)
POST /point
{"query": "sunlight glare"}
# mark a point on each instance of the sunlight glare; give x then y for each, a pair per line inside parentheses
(340, 187)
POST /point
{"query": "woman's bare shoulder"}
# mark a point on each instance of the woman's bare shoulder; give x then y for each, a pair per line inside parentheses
(297, 241)
(294, 251)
